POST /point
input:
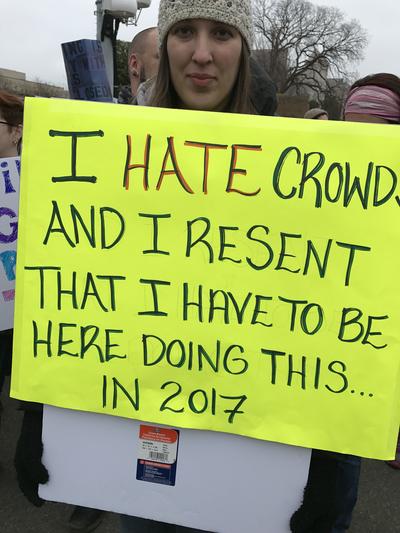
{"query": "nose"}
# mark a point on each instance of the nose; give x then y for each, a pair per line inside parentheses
(202, 53)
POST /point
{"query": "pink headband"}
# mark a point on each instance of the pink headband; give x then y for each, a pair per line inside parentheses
(374, 100)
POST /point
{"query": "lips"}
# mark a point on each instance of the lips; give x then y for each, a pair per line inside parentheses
(201, 79)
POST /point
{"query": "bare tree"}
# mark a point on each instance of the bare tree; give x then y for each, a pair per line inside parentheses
(302, 44)
(121, 63)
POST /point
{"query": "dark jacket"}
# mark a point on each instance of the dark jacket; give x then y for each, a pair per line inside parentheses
(262, 90)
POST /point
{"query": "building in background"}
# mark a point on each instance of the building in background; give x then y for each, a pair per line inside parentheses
(15, 82)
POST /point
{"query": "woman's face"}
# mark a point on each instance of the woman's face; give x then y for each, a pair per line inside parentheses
(204, 58)
(9, 138)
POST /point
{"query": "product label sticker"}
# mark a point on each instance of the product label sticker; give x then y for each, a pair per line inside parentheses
(157, 454)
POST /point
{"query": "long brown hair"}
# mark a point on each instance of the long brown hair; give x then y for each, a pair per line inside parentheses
(164, 94)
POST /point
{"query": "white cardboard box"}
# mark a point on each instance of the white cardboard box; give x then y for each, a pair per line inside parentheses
(224, 483)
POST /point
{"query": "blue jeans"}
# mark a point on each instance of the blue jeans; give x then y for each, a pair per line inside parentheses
(330, 494)
(348, 475)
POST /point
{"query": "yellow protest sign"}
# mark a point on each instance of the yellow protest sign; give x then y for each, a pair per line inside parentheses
(211, 271)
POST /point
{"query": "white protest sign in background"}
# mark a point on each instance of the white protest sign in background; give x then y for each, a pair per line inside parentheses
(9, 198)
(224, 483)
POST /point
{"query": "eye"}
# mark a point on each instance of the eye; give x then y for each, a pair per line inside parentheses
(183, 31)
(224, 33)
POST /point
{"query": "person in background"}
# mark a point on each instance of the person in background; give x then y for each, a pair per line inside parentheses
(376, 99)
(11, 115)
(11, 119)
(142, 64)
(332, 487)
(317, 113)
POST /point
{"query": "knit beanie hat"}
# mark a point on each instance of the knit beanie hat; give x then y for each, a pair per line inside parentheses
(237, 13)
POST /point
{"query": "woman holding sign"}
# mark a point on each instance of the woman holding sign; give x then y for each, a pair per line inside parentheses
(205, 66)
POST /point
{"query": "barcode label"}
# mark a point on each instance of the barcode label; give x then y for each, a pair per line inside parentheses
(157, 456)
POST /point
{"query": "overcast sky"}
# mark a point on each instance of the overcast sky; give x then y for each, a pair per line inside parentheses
(31, 32)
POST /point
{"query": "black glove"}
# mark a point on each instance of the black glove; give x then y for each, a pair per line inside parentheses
(317, 513)
(28, 456)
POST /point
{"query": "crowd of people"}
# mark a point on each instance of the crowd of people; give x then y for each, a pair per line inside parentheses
(199, 57)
